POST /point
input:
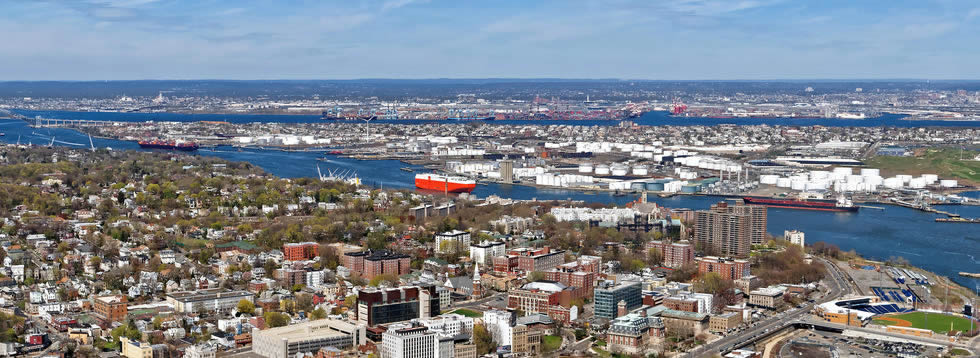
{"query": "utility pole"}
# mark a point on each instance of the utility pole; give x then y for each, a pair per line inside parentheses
(946, 304)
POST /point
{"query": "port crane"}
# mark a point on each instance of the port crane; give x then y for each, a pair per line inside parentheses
(346, 176)
(678, 107)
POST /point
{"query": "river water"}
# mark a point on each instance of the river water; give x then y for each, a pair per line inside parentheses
(944, 248)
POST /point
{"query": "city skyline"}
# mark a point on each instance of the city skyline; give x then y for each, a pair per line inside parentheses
(405, 39)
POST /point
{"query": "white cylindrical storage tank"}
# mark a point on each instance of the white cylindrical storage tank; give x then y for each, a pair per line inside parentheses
(602, 169)
(768, 179)
(917, 183)
(620, 170)
(904, 178)
(585, 168)
(867, 172)
(855, 179)
(930, 178)
(819, 174)
(875, 180)
(821, 184)
(640, 170)
(784, 182)
(798, 185)
(839, 186)
(843, 171)
(947, 183)
(893, 183)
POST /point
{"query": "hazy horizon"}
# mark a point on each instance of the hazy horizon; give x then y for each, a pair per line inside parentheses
(517, 79)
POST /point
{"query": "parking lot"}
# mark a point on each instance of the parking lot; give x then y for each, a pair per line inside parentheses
(820, 343)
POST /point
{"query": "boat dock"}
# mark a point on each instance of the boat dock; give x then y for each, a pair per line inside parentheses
(926, 208)
(957, 219)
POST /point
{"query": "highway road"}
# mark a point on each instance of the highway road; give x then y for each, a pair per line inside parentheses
(838, 287)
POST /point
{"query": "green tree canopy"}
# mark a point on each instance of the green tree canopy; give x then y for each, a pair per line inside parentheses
(483, 340)
(246, 306)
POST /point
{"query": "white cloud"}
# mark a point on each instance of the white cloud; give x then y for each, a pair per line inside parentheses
(927, 30)
(817, 19)
(716, 7)
(974, 13)
(231, 11)
(122, 3)
(395, 4)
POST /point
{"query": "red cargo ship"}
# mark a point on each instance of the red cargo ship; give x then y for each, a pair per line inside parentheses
(842, 204)
(444, 183)
(168, 145)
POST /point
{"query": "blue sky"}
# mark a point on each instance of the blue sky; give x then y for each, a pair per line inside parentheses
(643, 39)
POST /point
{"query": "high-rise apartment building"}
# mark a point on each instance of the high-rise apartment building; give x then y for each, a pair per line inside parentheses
(758, 217)
(674, 254)
(730, 230)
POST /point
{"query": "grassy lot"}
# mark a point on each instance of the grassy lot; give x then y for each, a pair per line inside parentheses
(944, 162)
(468, 313)
(959, 352)
(550, 343)
(939, 323)
(601, 352)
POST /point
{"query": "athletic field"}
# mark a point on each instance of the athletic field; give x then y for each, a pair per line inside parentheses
(937, 322)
